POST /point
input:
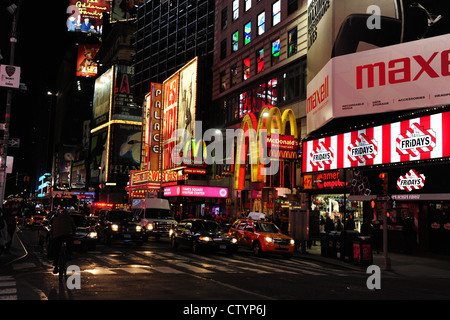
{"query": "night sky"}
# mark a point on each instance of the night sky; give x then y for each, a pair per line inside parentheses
(42, 41)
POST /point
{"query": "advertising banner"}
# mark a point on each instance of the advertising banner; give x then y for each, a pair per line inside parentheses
(87, 15)
(98, 156)
(86, 66)
(170, 92)
(124, 107)
(102, 97)
(366, 59)
(421, 138)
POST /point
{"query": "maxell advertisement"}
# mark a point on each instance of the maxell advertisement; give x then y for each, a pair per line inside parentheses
(366, 57)
(421, 138)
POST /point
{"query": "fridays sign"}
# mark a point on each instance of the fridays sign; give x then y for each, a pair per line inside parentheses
(415, 139)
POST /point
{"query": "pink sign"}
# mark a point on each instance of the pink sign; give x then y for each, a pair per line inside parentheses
(196, 191)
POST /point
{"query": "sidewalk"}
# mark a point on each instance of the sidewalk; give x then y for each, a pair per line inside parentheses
(16, 252)
(435, 266)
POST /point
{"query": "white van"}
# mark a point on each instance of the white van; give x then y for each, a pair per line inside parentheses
(156, 218)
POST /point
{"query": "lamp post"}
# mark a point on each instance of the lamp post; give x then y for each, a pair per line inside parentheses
(14, 10)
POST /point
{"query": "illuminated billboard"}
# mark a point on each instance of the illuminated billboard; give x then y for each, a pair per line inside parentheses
(87, 15)
(421, 138)
(365, 58)
(180, 99)
(86, 66)
(102, 97)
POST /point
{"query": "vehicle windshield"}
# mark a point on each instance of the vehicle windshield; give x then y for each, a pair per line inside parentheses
(121, 215)
(208, 226)
(266, 227)
(153, 213)
(80, 221)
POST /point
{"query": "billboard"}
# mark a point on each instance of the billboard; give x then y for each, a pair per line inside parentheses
(365, 58)
(421, 138)
(102, 97)
(87, 15)
(86, 66)
(180, 99)
(124, 107)
(98, 155)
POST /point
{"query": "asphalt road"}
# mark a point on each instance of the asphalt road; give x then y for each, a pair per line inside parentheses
(156, 273)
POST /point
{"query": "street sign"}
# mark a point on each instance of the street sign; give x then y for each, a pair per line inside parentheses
(14, 142)
(2, 126)
(9, 76)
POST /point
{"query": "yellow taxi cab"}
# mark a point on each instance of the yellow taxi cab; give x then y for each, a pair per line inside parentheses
(262, 237)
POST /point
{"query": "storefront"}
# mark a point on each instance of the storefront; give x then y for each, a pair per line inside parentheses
(329, 193)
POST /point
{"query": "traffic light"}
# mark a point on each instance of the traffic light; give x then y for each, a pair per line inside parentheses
(384, 182)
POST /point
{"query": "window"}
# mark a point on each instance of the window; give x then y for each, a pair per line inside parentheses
(224, 18)
(247, 33)
(233, 75)
(292, 42)
(246, 69)
(272, 91)
(235, 10)
(248, 5)
(292, 6)
(275, 52)
(276, 13)
(223, 49)
(260, 60)
(261, 23)
(223, 81)
(235, 41)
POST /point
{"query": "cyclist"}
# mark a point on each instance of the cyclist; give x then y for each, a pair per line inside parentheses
(63, 229)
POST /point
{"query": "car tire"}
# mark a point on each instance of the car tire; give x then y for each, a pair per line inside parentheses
(256, 248)
(173, 242)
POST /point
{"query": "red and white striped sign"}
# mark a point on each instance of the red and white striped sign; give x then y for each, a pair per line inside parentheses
(415, 139)
(411, 181)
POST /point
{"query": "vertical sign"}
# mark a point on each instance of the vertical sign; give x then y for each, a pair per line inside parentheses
(152, 128)
(170, 92)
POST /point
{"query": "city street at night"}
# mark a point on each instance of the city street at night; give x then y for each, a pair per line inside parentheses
(155, 271)
(225, 158)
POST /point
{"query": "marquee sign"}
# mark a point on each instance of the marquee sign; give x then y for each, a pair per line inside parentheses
(422, 138)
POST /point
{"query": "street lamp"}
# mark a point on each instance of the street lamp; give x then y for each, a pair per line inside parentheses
(14, 10)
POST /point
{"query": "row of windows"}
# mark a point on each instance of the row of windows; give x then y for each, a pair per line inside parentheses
(259, 58)
(284, 87)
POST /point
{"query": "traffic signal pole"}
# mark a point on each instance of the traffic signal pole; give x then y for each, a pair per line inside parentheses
(9, 94)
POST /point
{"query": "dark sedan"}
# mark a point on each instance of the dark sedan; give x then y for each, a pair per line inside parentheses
(201, 234)
(119, 225)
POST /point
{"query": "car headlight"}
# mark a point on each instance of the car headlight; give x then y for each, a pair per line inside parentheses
(92, 234)
(138, 228)
(233, 240)
(206, 239)
(170, 232)
(269, 239)
(292, 241)
(150, 227)
(114, 227)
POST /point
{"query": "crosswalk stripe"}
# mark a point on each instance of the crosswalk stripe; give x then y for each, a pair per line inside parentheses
(9, 297)
(8, 291)
(7, 284)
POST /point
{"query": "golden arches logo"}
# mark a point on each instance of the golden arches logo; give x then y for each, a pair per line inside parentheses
(249, 124)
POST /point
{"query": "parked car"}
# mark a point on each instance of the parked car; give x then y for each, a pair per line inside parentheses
(200, 235)
(119, 225)
(85, 235)
(262, 237)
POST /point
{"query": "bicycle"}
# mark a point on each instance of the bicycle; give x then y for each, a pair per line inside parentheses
(62, 261)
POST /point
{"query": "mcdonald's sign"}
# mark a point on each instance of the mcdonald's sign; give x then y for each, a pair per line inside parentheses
(269, 132)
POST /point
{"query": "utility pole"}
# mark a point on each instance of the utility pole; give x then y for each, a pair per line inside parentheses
(14, 10)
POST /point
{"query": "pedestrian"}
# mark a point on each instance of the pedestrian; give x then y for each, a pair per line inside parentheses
(375, 233)
(322, 227)
(338, 225)
(4, 236)
(329, 226)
